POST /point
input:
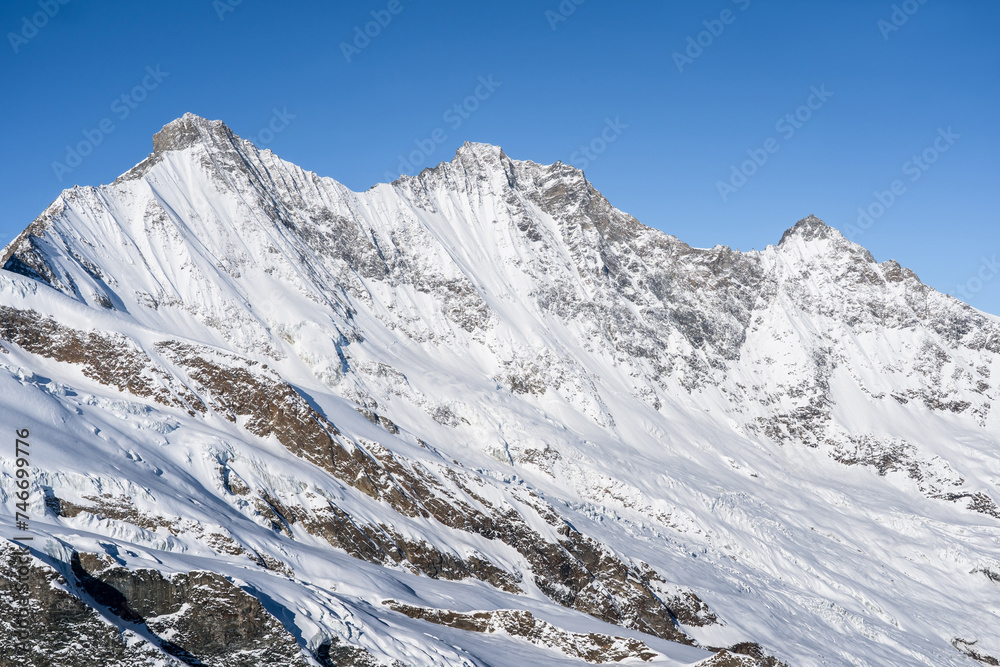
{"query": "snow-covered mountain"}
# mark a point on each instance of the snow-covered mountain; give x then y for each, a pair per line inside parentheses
(479, 416)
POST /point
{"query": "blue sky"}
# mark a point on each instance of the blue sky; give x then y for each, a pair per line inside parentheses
(890, 107)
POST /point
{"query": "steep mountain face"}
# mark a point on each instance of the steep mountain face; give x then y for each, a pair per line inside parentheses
(479, 416)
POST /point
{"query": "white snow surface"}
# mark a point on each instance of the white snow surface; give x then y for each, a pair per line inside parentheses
(687, 408)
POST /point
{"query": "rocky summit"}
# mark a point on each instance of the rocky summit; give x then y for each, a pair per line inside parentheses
(477, 416)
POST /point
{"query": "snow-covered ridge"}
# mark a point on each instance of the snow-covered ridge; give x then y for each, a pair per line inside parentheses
(230, 360)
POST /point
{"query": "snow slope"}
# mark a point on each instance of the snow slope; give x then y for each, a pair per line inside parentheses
(484, 388)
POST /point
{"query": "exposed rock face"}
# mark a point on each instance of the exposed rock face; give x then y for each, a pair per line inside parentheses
(484, 387)
(969, 648)
(593, 647)
(197, 617)
(110, 359)
(60, 630)
(190, 130)
(744, 654)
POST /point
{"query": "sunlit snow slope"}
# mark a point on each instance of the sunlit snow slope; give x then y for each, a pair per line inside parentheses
(392, 423)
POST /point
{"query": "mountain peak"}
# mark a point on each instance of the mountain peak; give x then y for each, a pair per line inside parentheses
(808, 229)
(474, 154)
(480, 150)
(191, 129)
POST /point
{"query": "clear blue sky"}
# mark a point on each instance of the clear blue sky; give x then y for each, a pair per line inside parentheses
(561, 76)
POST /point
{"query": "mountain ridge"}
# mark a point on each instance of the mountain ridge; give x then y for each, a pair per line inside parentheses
(190, 129)
(483, 388)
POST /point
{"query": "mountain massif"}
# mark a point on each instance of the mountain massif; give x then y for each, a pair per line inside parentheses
(478, 416)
